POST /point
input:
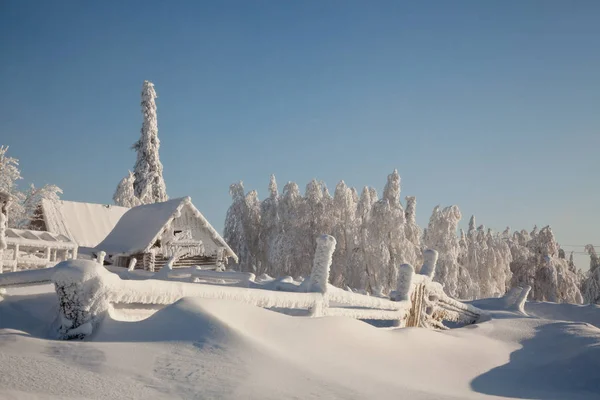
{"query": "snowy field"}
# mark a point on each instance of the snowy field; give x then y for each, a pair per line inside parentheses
(204, 349)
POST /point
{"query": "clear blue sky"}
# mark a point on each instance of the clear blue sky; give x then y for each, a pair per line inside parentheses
(490, 105)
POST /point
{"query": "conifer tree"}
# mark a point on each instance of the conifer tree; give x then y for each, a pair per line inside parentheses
(149, 185)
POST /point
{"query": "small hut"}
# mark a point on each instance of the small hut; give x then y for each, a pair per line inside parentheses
(154, 233)
(24, 249)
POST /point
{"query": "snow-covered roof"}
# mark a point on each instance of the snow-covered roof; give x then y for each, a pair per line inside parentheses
(140, 227)
(87, 224)
(24, 237)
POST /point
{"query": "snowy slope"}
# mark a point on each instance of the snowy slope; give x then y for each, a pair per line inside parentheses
(200, 348)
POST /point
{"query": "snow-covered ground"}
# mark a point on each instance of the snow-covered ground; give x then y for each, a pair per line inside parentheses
(201, 348)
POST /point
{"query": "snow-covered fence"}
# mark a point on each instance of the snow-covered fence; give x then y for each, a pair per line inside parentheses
(86, 290)
(27, 278)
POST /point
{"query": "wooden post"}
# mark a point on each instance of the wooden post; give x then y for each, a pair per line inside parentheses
(47, 254)
(149, 260)
(101, 257)
(15, 258)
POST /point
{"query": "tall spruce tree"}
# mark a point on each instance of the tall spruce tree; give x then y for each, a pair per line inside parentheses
(149, 185)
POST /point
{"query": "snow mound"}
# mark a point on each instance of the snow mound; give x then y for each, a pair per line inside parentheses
(217, 348)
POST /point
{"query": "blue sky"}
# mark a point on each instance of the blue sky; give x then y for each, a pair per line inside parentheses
(493, 106)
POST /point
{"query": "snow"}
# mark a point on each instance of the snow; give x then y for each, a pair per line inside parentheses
(201, 348)
(87, 224)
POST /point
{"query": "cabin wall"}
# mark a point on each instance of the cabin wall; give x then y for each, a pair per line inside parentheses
(189, 221)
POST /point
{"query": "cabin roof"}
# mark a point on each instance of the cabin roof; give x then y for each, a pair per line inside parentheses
(87, 224)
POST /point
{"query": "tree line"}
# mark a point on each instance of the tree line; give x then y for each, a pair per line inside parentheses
(276, 236)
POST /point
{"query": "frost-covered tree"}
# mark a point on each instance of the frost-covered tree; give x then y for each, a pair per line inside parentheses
(536, 263)
(269, 229)
(233, 232)
(288, 256)
(374, 237)
(344, 230)
(9, 175)
(591, 283)
(149, 185)
(413, 231)
(251, 226)
(125, 194)
(441, 236)
(32, 218)
(359, 269)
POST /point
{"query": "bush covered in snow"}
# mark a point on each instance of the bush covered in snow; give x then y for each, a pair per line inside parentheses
(83, 288)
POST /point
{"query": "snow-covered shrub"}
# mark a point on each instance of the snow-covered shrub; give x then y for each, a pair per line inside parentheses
(82, 287)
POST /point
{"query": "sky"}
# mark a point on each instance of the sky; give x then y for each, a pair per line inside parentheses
(493, 106)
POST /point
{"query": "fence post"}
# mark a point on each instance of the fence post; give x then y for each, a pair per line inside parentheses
(404, 285)
(520, 303)
(430, 258)
(132, 262)
(101, 257)
(15, 258)
(319, 276)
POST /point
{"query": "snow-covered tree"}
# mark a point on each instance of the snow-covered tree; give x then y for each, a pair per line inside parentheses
(269, 229)
(9, 175)
(441, 236)
(288, 256)
(233, 232)
(374, 237)
(251, 225)
(591, 283)
(125, 194)
(360, 271)
(344, 213)
(536, 263)
(33, 218)
(149, 185)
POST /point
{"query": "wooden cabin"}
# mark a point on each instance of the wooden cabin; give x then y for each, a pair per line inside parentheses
(153, 233)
